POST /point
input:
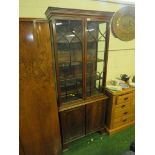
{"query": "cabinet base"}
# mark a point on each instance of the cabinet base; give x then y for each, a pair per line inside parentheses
(112, 131)
(65, 146)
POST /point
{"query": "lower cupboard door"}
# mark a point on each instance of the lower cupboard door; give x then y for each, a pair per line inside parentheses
(95, 116)
(72, 124)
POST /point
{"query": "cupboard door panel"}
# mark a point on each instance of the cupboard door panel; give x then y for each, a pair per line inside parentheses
(73, 123)
(95, 116)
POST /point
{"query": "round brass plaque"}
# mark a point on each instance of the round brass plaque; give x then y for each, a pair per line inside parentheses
(123, 23)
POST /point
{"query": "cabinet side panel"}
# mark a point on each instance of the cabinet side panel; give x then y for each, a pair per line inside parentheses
(38, 122)
(109, 111)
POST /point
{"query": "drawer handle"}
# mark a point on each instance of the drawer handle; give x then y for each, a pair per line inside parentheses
(122, 106)
(126, 98)
(125, 113)
(124, 120)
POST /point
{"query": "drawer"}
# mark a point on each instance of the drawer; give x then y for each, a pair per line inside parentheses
(123, 120)
(123, 110)
(123, 105)
(121, 113)
(124, 98)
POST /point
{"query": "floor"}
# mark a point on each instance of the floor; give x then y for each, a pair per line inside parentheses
(103, 144)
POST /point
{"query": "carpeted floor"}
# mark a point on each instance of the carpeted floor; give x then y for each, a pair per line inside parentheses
(103, 144)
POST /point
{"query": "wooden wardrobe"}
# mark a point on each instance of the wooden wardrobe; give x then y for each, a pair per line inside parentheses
(38, 117)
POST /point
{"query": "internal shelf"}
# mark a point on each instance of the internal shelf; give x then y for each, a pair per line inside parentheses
(67, 63)
(79, 76)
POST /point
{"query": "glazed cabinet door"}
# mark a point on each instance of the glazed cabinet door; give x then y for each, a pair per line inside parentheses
(96, 56)
(68, 43)
(72, 124)
(95, 116)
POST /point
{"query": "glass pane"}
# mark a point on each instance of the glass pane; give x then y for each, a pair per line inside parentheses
(69, 55)
(96, 32)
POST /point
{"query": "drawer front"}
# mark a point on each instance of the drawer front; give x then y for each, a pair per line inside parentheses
(123, 105)
(124, 98)
(121, 113)
(123, 120)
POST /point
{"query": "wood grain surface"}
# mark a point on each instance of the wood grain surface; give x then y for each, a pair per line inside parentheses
(39, 124)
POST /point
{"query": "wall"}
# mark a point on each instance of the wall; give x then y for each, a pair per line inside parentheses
(121, 58)
(121, 54)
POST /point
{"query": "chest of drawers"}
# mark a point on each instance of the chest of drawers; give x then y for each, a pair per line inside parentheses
(120, 109)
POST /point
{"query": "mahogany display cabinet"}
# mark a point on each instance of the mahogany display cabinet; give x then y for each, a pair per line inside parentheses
(80, 39)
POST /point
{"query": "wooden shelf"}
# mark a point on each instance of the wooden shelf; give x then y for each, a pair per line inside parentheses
(75, 63)
(71, 77)
(79, 76)
(72, 63)
(72, 42)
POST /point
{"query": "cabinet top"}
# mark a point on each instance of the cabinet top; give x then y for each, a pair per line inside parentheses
(67, 11)
(124, 91)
